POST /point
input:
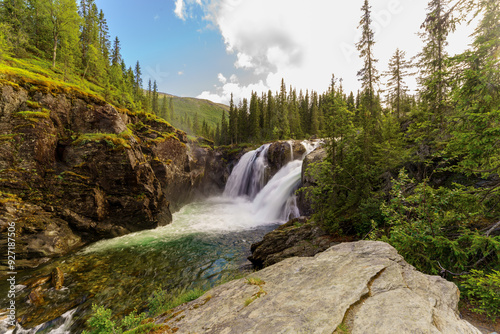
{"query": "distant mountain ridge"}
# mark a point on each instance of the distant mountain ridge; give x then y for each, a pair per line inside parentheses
(207, 110)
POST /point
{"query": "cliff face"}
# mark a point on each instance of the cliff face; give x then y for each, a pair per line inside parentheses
(74, 169)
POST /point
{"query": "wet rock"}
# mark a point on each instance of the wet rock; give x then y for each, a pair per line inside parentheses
(35, 297)
(57, 278)
(298, 237)
(364, 286)
(308, 180)
(282, 152)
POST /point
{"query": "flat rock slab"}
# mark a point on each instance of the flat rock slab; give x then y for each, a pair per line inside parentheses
(365, 286)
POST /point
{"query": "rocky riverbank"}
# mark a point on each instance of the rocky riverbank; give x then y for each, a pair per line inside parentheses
(358, 287)
(74, 169)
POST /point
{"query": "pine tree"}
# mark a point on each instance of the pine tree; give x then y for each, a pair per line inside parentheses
(294, 116)
(396, 86)
(314, 120)
(154, 99)
(368, 75)
(243, 121)
(271, 116)
(253, 118)
(116, 57)
(432, 61)
(476, 97)
(93, 64)
(282, 113)
(233, 122)
(104, 42)
(137, 91)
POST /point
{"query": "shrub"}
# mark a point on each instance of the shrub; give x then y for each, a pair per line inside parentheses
(101, 322)
(428, 225)
(483, 291)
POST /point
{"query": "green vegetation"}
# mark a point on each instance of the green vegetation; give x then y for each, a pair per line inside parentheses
(483, 291)
(101, 322)
(258, 282)
(421, 172)
(161, 300)
(33, 116)
(115, 141)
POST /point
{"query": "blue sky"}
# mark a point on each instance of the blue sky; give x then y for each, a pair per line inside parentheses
(179, 55)
(212, 48)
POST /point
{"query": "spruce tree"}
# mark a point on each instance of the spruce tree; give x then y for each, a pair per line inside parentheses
(154, 99)
(476, 97)
(233, 122)
(253, 118)
(368, 75)
(432, 59)
(396, 86)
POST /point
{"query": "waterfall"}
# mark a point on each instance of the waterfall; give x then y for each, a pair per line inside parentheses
(59, 325)
(274, 201)
(248, 176)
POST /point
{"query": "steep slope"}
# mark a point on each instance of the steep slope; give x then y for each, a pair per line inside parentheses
(207, 110)
(74, 169)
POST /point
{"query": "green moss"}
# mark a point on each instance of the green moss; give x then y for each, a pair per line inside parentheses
(70, 173)
(33, 105)
(8, 197)
(8, 137)
(115, 141)
(32, 116)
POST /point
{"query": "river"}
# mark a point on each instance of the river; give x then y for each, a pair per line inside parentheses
(207, 243)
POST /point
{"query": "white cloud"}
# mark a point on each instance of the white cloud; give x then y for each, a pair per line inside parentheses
(222, 78)
(306, 42)
(244, 61)
(222, 94)
(180, 73)
(179, 9)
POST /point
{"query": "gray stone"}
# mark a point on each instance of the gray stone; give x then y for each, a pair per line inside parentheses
(365, 286)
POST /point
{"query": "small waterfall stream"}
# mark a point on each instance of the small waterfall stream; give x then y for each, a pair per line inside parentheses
(207, 242)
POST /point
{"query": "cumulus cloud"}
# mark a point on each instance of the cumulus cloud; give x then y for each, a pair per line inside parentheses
(276, 39)
(222, 78)
(222, 94)
(303, 42)
(179, 9)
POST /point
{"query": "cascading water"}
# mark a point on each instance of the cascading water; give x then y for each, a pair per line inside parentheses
(207, 242)
(248, 176)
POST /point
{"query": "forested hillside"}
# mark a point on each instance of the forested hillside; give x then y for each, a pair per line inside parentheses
(69, 43)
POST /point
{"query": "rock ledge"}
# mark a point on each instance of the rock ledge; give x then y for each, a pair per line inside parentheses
(364, 286)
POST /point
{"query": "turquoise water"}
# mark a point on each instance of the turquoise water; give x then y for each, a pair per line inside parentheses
(207, 243)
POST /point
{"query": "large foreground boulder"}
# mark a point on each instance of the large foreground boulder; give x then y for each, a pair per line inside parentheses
(359, 287)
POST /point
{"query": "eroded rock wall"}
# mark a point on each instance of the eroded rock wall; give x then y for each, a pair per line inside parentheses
(74, 169)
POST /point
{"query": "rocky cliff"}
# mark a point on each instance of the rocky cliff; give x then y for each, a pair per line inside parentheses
(359, 287)
(74, 169)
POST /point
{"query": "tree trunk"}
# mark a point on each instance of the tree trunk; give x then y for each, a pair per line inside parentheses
(54, 55)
